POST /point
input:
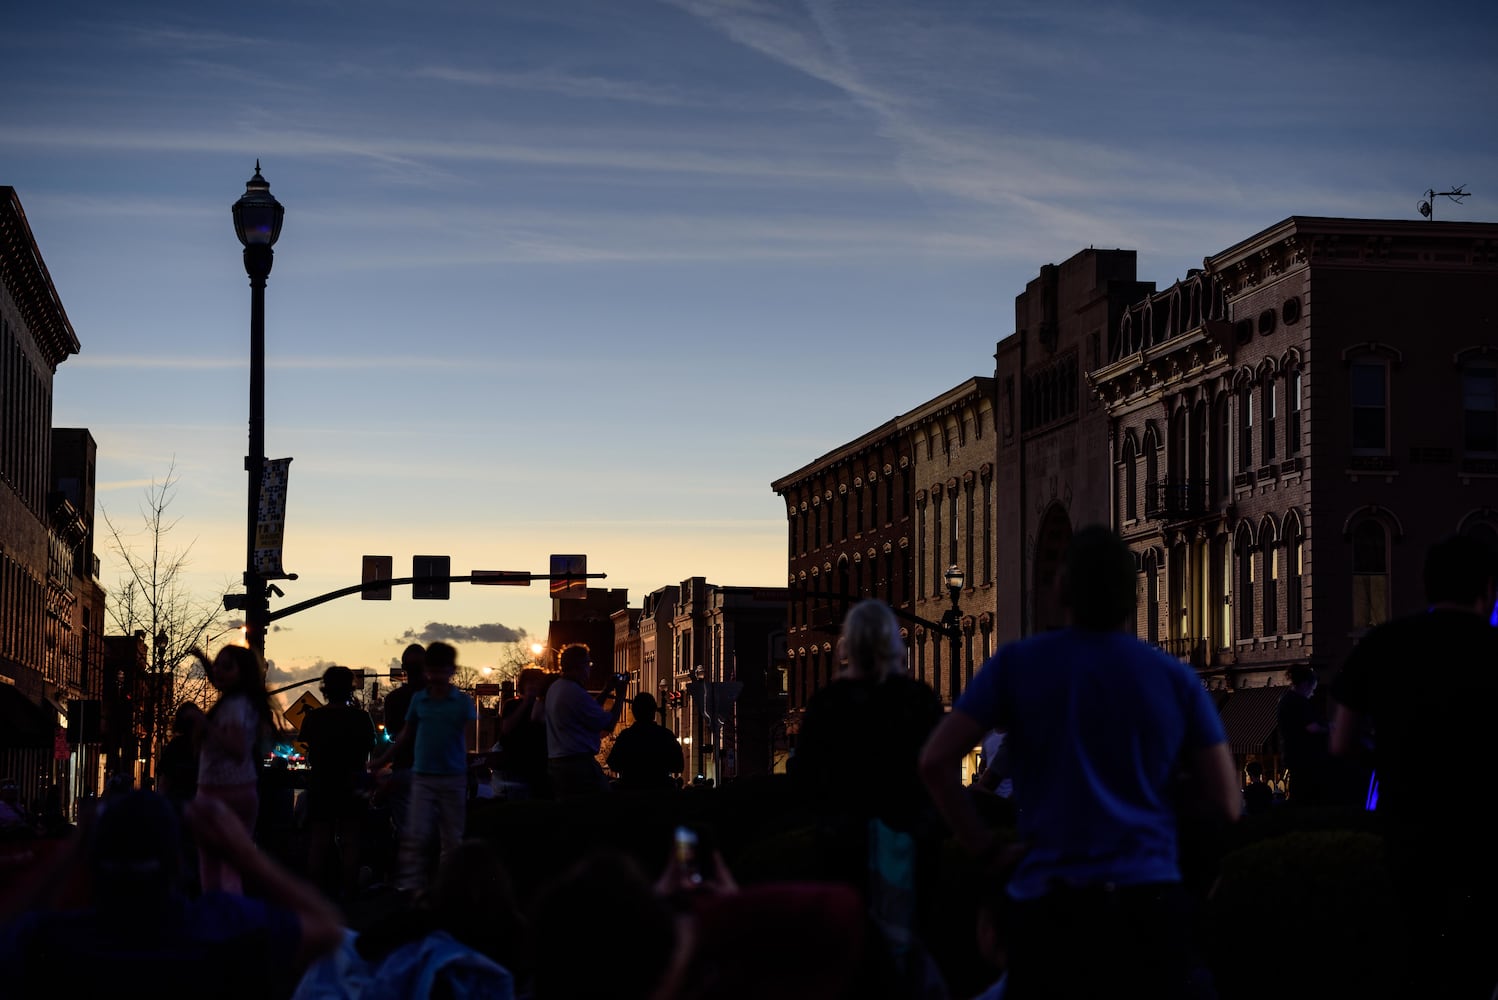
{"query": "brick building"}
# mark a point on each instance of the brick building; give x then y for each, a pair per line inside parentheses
(849, 522)
(51, 606)
(1290, 427)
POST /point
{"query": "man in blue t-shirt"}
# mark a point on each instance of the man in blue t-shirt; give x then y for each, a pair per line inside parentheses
(1099, 726)
(435, 725)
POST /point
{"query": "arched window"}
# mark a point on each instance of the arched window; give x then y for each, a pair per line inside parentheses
(1130, 480)
(1292, 413)
(1370, 574)
(1151, 599)
(1269, 407)
(1245, 595)
(1222, 459)
(1270, 599)
(1246, 425)
(1294, 573)
(1151, 471)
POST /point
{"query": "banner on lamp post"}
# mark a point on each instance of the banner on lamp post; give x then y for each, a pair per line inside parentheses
(270, 522)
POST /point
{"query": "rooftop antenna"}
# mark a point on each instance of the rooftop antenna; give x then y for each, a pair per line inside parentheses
(1428, 205)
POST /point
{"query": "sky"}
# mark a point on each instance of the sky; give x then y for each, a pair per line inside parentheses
(585, 277)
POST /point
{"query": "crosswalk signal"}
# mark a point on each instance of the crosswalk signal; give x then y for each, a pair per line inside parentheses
(436, 570)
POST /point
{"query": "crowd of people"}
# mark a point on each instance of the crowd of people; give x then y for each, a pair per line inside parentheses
(1099, 749)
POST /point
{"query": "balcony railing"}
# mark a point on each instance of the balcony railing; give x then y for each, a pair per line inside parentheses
(1177, 498)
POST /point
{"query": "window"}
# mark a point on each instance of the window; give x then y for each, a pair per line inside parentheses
(936, 540)
(1271, 413)
(1151, 471)
(1222, 459)
(1246, 426)
(1151, 600)
(1292, 421)
(1370, 574)
(1245, 595)
(858, 524)
(1480, 409)
(1131, 481)
(1294, 570)
(1271, 588)
(1370, 411)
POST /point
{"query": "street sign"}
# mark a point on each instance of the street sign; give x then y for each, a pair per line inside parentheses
(500, 578)
(297, 710)
(377, 568)
(569, 577)
(438, 569)
(486, 690)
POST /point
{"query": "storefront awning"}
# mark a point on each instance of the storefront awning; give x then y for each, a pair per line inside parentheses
(23, 723)
(1250, 717)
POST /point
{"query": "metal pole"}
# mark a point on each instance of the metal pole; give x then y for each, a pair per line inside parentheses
(257, 264)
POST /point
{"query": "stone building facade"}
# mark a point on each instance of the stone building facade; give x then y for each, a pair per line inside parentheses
(951, 440)
(1051, 451)
(1290, 427)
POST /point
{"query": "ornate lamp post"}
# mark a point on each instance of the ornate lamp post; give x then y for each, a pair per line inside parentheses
(257, 223)
(951, 622)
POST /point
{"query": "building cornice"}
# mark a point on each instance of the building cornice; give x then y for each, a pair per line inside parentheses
(25, 274)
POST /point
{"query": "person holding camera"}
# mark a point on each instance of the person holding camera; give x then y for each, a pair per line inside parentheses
(575, 723)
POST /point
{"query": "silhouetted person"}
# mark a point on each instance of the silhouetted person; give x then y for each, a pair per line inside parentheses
(646, 755)
(1303, 737)
(1432, 751)
(1099, 726)
(141, 936)
(575, 724)
(522, 738)
(1258, 797)
(179, 758)
(397, 790)
(856, 762)
(339, 737)
(436, 724)
(229, 748)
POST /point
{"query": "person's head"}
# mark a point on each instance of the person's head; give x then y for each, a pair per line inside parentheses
(413, 662)
(473, 899)
(1255, 770)
(643, 707)
(1461, 570)
(134, 850)
(532, 681)
(238, 670)
(441, 664)
(575, 662)
(1302, 678)
(643, 932)
(337, 685)
(1099, 580)
(186, 718)
(871, 641)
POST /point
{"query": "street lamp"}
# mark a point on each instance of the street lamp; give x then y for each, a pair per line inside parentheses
(951, 622)
(257, 223)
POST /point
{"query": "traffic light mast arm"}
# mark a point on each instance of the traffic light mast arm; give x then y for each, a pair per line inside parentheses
(404, 581)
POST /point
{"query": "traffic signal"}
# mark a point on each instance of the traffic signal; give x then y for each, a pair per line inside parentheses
(437, 569)
(377, 568)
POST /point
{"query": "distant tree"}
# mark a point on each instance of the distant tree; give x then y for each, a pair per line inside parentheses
(154, 598)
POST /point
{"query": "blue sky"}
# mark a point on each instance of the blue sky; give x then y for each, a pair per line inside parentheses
(587, 276)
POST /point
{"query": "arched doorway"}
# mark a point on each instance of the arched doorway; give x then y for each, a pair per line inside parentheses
(1051, 542)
